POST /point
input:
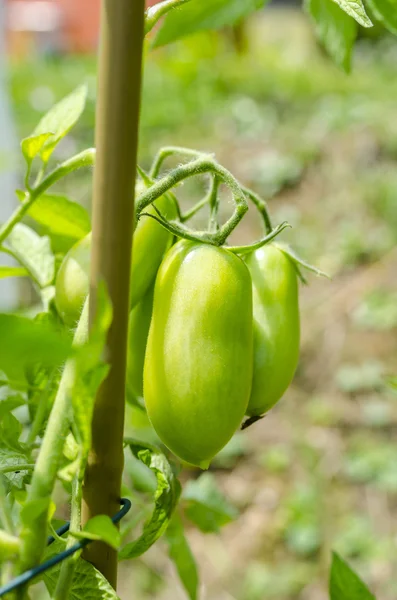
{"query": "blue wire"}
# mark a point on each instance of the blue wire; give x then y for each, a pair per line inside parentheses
(54, 560)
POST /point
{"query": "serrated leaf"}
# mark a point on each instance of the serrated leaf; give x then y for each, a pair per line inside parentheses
(206, 506)
(87, 584)
(33, 252)
(181, 555)
(25, 342)
(32, 146)
(13, 272)
(12, 452)
(335, 30)
(102, 528)
(385, 11)
(60, 119)
(345, 584)
(356, 10)
(61, 216)
(165, 498)
(198, 15)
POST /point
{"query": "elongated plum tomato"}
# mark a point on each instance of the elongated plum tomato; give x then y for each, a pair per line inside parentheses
(138, 331)
(151, 241)
(198, 363)
(276, 326)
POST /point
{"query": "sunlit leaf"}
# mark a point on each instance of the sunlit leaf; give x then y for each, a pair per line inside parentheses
(33, 252)
(165, 498)
(60, 119)
(102, 528)
(335, 30)
(385, 11)
(355, 9)
(87, 584)
(32, 146)
(198, 15)
(345, 584)
(61, 216)
(206, 506)
(25, 342)
(181, 555)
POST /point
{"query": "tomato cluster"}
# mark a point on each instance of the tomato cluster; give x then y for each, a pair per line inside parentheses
(212, 336)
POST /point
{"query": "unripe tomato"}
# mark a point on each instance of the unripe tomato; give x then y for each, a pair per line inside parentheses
(138, 331)
(276, 326)
(198, 363)
(151, 241)
(72, 282)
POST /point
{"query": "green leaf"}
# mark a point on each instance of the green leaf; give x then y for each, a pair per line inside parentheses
(25, 342)
(199, 15)
(165, 498)
(335, 30)
(60, 216)
(355, 9)
(206, 506)
(344, 584)
(60, 119)
(181, 555)
(88, 583)
(13, 272)
(90, 371)
(102, 528)
(385, 11)
(32, 146)
(33, 252)
(12, 451)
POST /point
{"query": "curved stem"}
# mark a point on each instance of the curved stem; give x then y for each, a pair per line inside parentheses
(256, 245)
(84, 159)
(214, 205)
(261, 205)
(167, 151)
(204, 164)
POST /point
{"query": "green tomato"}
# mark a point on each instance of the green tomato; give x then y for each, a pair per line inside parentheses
(276, 326)
(198, 363)
(72, 282)
(138, 331)
(151, 241)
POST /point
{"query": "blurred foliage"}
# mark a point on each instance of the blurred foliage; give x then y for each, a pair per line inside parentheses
(319, 471)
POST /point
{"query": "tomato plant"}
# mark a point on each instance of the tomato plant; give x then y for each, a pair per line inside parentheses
(221, 340)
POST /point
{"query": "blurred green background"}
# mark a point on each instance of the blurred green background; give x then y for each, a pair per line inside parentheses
(320, 471)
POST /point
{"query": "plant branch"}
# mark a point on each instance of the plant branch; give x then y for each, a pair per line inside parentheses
(84, 159)
(167, 151)
(33, 535)
(154, 13)
(256, 245)
(5, 510)
(204, 164)
(68, 566)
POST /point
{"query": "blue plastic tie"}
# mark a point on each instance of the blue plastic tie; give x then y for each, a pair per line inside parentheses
(27, 576)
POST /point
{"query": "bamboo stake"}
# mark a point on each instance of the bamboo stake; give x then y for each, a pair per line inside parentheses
(117, 121)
